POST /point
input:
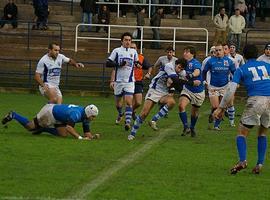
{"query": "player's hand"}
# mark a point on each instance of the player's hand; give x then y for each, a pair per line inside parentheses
(80, 65)
(218, 113)
(112, 85)
(46, 88)
(196, 82)
(147, 76)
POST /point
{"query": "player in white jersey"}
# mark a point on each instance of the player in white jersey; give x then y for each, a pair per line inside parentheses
(163, 60)
(266, 56)
(123, 59)
(236, 57)
(48, 73)
(160, 90)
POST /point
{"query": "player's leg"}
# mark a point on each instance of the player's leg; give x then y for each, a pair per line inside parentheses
(231, 112)
(184, 100)
(214, 101)
(137, 98)
(169, 103)
(118, 96)
(128, 112)
(147, 106)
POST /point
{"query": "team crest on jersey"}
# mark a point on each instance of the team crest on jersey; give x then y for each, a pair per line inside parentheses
(190, 65)
(226, 63)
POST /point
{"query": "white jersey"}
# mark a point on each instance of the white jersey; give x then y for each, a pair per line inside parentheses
(264, 58)
(51, 69)
(163, 60)
(237, 59)
(208, 74)
(159, 82)
(125, 73)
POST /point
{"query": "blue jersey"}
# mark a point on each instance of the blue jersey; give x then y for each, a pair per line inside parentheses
(255, 77)
(71, 114)
(190, 68)
(219, 69)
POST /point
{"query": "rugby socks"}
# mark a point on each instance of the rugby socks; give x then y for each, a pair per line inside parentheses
(19, 118)
(137, 123)
(162, 112)
(217, 123)
(128, 114)
(241, 147)
(262, 145)
(193, 121)
(183, 118)
(231, 114)
(119, 110)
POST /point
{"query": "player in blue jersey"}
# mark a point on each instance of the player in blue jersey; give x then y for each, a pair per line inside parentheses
(220, 67)
(48, 73)
(58, 120)
(123, 60)
(160, 90)
(191, 93)
(254, 75)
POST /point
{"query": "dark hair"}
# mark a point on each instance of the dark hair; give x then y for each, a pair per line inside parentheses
(169, 48)
(181, 61)
(191, 50)
(222, 7)
(126, 34)
(250, 51)
(50, 46)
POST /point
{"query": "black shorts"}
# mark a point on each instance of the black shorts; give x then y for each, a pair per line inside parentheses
(138, 87)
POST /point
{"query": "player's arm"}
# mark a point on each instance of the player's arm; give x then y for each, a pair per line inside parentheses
(38, 75)
(112, 80)
(87, 132)
(71, 130)
(147, 66)
(75, 64)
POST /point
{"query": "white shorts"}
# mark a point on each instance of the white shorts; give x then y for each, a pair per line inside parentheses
(45, 116)
(216, 91)
(257, 111)
(155, 95)
(196, 99)
(58, 92)
(121, 89)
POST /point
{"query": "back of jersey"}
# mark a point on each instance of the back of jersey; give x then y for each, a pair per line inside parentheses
(68, 113)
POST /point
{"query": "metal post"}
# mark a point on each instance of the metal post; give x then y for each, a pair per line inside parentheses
(213, 9)
(109, 37)
(71, 7)
(118, 8)
(181, 9)
(76, 38)
(206, 44)
(174, 36)
(28, 36)
(149, 9)
(141, 39)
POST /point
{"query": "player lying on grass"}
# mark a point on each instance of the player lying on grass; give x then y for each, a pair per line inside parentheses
(58, 120)
(255, 77)
(161, 91)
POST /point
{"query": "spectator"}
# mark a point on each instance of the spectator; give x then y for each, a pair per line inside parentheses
(123, 8)
(229, 6)
(262, 9)
(203, 9)
(241, 5)
(103, 18)
(88, 9)
(221, 23)
(156, 21)
(251, 13)
(236, 25)
(140, 22)
(41, 11)
(10, 14)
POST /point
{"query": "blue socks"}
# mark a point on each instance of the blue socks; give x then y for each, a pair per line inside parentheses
(241, 147)
(128, 114)
(162, 112)
(193, 121)
(119, 110)
(137, 123)
(19, 118)
(183, 118)
(262, 145)
(217, 123)
(231, 114)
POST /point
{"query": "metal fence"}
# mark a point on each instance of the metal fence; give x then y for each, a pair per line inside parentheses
(142, 40)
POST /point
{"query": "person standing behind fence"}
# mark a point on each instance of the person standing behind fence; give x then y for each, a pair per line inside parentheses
(236, 25)
(221, 23)
(103, 18)
(88, 9)
(140, 22)
(10, 14)
(156, 22)
(48, 73)
(251, 13)
(41, 11)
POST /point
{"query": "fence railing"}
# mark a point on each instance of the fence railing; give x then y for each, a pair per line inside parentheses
(151, 6)
(19, 73)
(142, 40)
(30, 34)
(257, 30)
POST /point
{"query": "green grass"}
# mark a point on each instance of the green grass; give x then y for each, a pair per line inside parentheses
(174, 168)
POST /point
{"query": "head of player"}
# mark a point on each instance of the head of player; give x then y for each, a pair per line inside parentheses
(91, 111)
(219, 51)
(212, 51)
(170, 52)
(232, 49)
(226, 49)
(180, 65)
(133, 46)
(189, 53)
(267, 49)
(126, 39)
(250, 51)
(54, 50)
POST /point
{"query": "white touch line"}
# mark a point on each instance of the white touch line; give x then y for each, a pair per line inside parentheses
(123, 162)
(33, 198)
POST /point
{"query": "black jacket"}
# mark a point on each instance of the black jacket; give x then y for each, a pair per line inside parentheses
(88, 6)
(11, 9)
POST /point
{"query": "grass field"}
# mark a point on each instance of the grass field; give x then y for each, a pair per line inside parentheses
(157, 165)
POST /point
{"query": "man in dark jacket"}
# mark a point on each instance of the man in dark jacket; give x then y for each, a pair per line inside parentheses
(103, 17)
(156, 21)
(10, 14)
(88, 10)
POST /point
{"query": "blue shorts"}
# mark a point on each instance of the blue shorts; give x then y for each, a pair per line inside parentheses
(138, 87)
